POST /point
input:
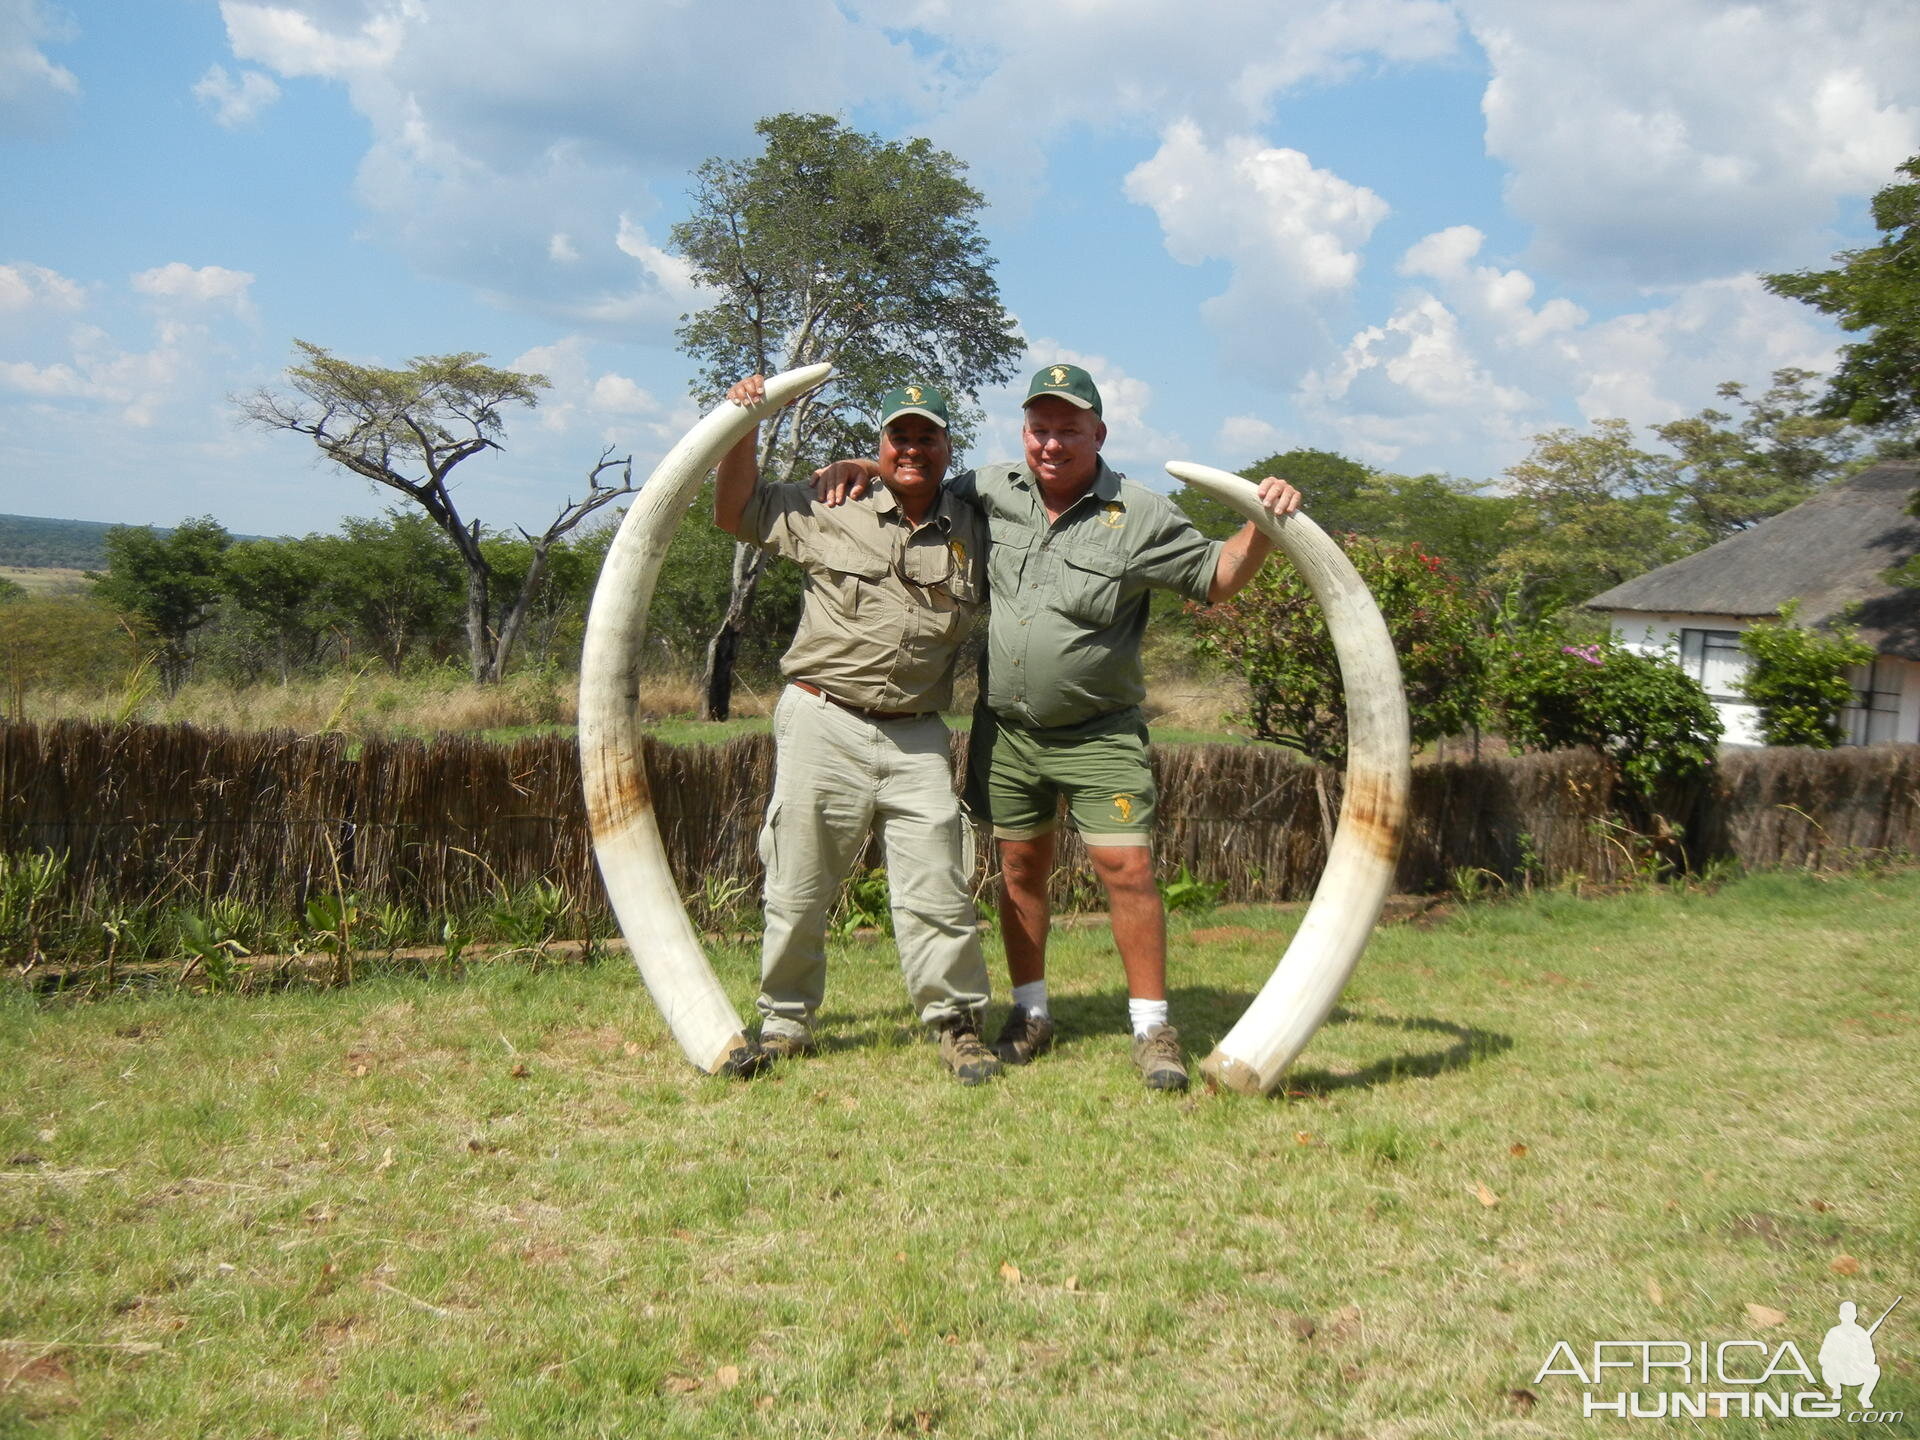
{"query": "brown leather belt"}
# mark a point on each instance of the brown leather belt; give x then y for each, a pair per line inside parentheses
(860, 710)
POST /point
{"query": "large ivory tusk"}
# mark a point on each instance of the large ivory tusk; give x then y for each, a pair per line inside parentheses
(1300, 994)
(626, 837)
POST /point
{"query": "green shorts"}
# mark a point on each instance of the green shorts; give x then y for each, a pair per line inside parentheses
(1016, 776)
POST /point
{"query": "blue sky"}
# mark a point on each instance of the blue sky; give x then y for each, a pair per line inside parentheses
(1414, 231)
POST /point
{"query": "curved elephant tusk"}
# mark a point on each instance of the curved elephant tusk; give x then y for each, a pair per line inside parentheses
(1300, 994)
(626, 836)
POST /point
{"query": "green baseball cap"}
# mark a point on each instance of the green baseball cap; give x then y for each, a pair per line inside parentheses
(1065, 382)
(913, 400)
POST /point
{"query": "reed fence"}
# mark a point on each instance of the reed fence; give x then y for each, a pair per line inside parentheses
(147, 812)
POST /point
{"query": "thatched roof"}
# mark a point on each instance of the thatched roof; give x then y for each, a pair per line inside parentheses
(1828, 553)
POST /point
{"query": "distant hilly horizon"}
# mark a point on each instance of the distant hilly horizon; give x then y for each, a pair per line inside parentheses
(36, 542)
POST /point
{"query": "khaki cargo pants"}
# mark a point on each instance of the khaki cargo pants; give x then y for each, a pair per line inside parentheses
(836, 777)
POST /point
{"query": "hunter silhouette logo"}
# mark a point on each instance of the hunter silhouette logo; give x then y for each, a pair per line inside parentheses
(1751, 1379)
(1123, 807)
(1059, 374)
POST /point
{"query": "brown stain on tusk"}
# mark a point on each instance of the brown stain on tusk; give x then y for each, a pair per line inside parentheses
(1374, 810)
(616, 794)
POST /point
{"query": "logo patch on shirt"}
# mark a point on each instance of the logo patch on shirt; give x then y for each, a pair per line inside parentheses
(1112, 515)
(1123, 808)
(958, 549)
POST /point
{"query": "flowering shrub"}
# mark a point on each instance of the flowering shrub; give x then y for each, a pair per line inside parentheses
(1645, 711)
(1274, 633)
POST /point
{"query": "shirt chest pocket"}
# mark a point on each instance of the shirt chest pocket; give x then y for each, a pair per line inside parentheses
(1088, 585)
(852, 573)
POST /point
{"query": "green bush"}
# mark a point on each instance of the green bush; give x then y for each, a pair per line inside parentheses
(1274, 633)
(1798, 679)
(1650, 716)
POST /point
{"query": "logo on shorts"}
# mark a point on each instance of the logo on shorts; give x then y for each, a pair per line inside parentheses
(1123, 807)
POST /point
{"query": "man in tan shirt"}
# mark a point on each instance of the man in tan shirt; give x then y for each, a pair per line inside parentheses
(894, 583)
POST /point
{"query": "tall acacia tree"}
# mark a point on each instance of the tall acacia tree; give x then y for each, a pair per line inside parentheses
(408, 429)
(834, 245)
(1875, 290)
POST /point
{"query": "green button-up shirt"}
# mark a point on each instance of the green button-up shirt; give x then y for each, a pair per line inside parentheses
(1070, 596)
(885, 605)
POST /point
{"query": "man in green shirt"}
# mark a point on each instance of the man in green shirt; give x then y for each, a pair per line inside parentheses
(1074, 550)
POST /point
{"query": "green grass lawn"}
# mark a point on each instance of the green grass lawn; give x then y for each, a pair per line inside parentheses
(504, 1206)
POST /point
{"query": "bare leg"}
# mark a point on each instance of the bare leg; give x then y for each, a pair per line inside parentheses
(1139, 919)
(1025, 913)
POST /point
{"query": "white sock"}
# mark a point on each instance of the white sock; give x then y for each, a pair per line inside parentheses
(1145, 1014)
(1032, 997)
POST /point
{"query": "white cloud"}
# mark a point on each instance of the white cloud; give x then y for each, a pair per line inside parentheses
(621, 395)
(1674, 140)
(1011, 77)
(1463, 373)
(1252, 437)
(33, 89)
(208, 285)
(294, 40)
(1499, 297)
(1292, 233)
(509, 137)
(34, 287)
(235, 102)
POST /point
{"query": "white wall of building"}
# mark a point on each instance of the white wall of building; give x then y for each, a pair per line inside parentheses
(1891, 685)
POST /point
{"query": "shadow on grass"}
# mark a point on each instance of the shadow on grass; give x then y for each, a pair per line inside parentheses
(1205, 1013)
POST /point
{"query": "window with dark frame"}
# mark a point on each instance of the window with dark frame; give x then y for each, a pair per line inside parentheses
(1715, 659)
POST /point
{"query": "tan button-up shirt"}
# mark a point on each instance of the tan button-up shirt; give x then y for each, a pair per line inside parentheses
(885, 605)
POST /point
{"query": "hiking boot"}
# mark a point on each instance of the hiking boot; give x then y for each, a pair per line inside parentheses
(786, 1044)
(969, 1060)
(743, 1062)
(1025, 1037)
(1156, 1055)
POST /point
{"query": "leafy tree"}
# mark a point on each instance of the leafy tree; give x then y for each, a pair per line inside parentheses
(832, 244)
(1730, 476)
(393, 584)
(171, 581)
(1875, 290)
(280, 585)
(1593, 510)
(408, 429)
(1273, 631)
(1643, 711)
(1798, 679)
